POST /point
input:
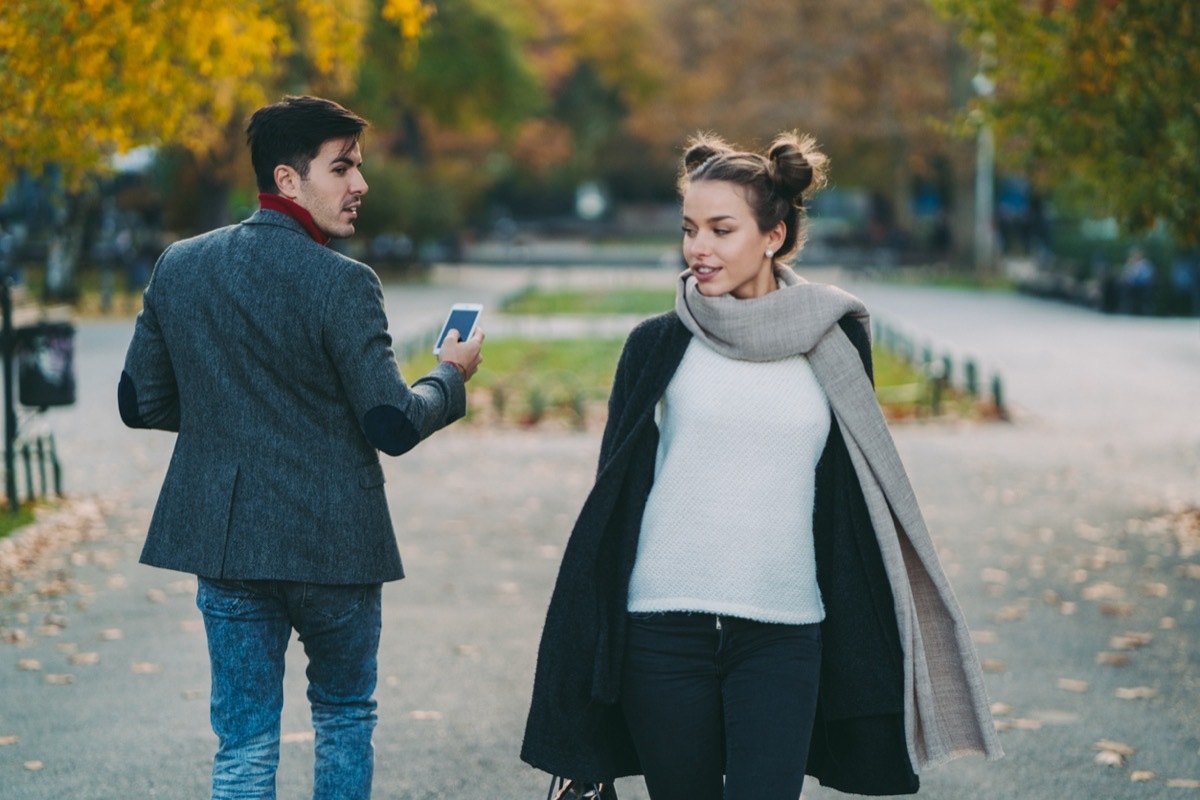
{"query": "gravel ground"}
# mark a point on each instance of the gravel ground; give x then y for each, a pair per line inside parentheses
(1066, 534)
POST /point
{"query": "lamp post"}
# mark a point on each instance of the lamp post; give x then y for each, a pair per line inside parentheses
(8, 245)
(985, 158)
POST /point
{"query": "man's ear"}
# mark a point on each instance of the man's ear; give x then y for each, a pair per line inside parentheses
(288, 181)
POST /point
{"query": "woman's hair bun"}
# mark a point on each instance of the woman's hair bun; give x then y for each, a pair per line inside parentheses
(701, 148)
(796, 165)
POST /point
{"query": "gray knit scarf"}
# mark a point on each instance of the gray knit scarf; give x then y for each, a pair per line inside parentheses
(802, 318)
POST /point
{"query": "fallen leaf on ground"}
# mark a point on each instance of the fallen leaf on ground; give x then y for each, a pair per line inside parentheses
(156, 596)
(1136, 693)
(1110, 758)
(1073, 685)
(1167, 624)
(1113, 746)
(1102, 591)
(7, 740)
(984, 637)
(1001, 709)
(111, 634)
(1117, 609)
(146, 668)
(298, 736)
(1130, 640)
(1155, 589)
(1183, 783)
(425, 715)
(1068, 608)
(1055, 717)
(1009, 614)
(993, 575)
(29, 664)
(83, 659)
(1141, 775)
(60, 680)
(1112, 659)
(1025, 724)
(33, 766)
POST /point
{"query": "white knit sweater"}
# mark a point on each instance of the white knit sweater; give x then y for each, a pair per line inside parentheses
(728, 524)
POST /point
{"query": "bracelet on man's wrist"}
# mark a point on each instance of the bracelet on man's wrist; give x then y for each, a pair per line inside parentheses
(462, 371)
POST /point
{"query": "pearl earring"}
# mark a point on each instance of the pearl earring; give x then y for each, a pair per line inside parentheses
(770, 253)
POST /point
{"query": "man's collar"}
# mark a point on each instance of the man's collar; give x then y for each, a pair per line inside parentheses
(277, 202)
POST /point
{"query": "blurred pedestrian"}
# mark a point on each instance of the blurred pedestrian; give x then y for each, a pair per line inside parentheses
(269, 354)
(750, 592)
(1137, 281)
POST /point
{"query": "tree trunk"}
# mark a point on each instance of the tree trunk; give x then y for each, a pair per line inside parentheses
(65, 249)
(215, 191)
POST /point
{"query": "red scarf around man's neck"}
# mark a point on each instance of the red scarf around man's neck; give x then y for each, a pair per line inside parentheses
(277, 202)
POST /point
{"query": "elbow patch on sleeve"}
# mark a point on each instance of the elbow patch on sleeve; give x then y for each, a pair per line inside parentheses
(390, 431)
(127, 402)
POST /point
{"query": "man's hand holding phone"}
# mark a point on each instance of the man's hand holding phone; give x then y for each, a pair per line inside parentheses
(466, 355)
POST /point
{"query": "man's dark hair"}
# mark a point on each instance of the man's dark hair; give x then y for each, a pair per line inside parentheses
(292, 131)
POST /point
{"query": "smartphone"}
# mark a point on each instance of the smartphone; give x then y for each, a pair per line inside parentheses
(464, 318)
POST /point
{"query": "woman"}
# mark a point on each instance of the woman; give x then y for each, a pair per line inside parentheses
(750, 593)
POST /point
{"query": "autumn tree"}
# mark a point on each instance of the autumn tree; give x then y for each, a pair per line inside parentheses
(82, 81)
(1098, 99)
(867, 78)
(492, 91)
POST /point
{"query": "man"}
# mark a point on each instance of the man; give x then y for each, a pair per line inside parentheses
(269, 355)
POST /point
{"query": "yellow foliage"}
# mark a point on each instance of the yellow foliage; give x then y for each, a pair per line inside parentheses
(82, 80)
(409, 16)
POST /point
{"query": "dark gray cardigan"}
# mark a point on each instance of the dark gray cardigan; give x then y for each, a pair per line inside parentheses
(575, 726)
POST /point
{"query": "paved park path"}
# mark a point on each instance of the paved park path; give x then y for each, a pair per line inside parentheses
(1057, 530)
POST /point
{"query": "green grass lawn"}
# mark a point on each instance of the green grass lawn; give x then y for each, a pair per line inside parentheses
(526, 382)
(10, 521)
(608, 301)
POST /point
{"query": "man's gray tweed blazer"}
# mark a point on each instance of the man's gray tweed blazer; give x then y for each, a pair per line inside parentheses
(270, 356)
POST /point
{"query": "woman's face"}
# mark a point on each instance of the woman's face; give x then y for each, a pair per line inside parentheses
(722, 244)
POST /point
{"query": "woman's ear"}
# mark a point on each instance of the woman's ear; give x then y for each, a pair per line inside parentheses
(776, 236)
(287, 180)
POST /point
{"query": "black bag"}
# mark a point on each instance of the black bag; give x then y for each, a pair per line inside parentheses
(563, 789)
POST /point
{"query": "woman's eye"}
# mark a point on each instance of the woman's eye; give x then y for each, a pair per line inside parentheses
(720, 231)
(688, 231)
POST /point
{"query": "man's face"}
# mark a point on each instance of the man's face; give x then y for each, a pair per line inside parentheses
(333, 190)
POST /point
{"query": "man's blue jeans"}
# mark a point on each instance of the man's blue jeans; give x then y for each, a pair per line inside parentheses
(249, 624)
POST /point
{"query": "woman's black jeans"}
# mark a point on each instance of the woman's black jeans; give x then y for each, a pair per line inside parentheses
(708, 696)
